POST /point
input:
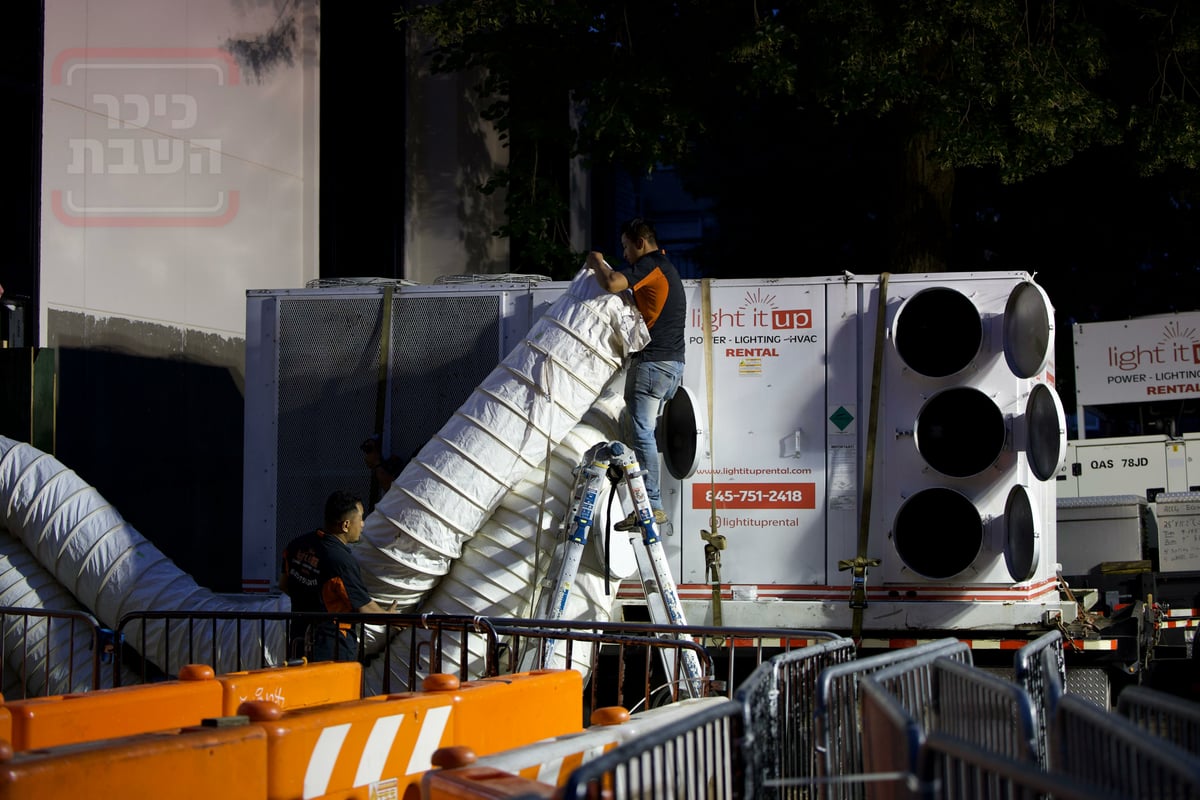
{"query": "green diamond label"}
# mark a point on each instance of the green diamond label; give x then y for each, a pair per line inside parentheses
(841, 418)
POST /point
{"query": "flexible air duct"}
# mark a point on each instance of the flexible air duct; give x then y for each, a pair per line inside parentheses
(501, 434)
(501, 567)
(45, 656)
(111, 569)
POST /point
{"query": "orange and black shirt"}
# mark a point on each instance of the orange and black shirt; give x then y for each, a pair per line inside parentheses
(658, 293)
(322, 575)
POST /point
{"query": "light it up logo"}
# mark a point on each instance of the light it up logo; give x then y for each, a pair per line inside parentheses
(757, 310)
(151, 164)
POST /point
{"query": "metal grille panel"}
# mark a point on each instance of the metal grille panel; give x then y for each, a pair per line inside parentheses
(442, 347)
(328, 367)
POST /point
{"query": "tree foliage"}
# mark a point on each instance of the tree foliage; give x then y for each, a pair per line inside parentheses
(854, 120)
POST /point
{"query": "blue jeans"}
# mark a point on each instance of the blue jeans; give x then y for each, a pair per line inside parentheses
(649, 384)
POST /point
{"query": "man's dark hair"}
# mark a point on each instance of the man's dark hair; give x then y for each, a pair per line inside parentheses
(638, 228)
(338, 505)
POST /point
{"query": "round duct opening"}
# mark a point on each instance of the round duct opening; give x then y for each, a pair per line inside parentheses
(1045, 431)
(938, 533)
(679, 434)
(937, 332)
(1020, 535)
(1028, 324)
(960, 432)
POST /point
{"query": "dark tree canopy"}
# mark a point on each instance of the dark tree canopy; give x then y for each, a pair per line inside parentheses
(901, 135)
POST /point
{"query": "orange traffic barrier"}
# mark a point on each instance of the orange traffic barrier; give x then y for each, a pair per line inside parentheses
(380, 746)
(547, 763)
(482, 783)
(5, 722)
(294, 686)
(109, 713)
(195, 763)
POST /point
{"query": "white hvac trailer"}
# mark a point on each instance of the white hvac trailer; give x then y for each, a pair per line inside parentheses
(863, 453)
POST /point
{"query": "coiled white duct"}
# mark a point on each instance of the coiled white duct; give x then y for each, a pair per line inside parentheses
(113, 570)
(44, 657)
(501, 434)
(502, 565)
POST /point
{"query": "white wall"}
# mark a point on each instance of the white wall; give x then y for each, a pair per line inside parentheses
(174, 178)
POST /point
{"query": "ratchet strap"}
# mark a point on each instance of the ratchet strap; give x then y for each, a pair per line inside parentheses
(860, 562)
(714, 543)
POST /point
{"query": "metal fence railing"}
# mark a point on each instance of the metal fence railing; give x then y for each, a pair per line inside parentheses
(45, 652)
(779, 698)
(1173, 718)
(1041, 668)
(1102, 749)
(790, 713)
(701, 756)
(838, 722)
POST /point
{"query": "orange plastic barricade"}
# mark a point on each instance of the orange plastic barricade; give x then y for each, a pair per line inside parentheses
(296, 686)
(195, 763)
(380, 746)
(480, 783)
(547, 763)
(5, 722)
(123, 711)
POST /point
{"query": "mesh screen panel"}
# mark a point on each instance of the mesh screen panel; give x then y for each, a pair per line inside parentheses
(328, 364)
(442, 348)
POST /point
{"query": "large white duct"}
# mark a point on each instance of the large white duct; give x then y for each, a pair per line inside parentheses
(501, 567)
(112, 570)
(45, 656)
(504, 431)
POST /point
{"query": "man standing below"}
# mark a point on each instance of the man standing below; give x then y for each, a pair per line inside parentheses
(320, 575)
(656, 371)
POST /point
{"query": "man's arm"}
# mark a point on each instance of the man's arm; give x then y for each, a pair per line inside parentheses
(374, 608)
(609, 279)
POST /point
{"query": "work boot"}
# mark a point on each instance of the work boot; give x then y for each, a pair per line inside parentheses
(631, 523)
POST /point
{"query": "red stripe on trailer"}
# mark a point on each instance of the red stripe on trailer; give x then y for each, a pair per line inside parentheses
(989, 644)
(907, 592)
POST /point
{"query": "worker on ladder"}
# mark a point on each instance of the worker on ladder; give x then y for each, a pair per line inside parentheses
(657, 370)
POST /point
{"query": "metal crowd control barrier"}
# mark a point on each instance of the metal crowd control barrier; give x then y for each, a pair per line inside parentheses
(1041, 668)
(698, 756)
(838, 723)
(1173, 718)
(951, 769)
(891, 740)
(235, 641)
(1105, 751)
(550, 762)
(904, 703)
(44, 652)
(741, 647)
(971, 704)
(779, 698)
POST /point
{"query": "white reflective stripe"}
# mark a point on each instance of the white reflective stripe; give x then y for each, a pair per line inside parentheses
(549, 771)
(321, 762)
(375, 753)
(598, 750)
(428, 739)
